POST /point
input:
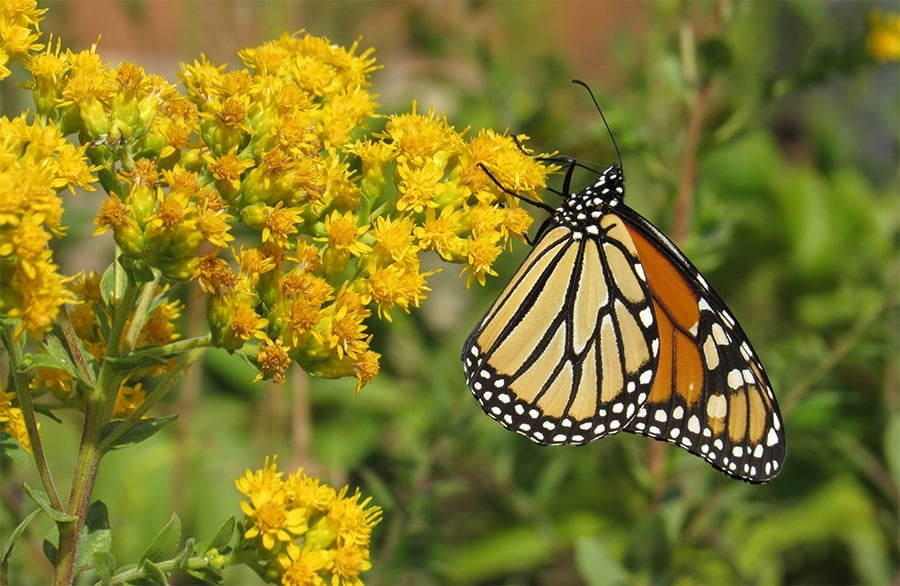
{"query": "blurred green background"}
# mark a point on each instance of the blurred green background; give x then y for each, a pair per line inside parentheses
(784, 131)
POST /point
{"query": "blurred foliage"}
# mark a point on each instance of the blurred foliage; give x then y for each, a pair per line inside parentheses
(794, 219)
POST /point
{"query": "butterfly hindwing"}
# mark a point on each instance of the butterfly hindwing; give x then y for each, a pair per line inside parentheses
(710, 395)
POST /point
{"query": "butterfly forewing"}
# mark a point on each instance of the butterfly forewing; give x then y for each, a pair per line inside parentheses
(710, 395)
(567, 352)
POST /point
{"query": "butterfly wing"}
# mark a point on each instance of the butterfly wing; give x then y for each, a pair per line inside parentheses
(567, 352)
(710, 394)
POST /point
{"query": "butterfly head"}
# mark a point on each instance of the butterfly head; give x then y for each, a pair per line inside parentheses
(582, 210)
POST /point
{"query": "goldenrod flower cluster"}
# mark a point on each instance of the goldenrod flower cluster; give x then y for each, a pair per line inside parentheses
(36, 163)
(883, 42)
(19, 31)
(262, 185)
(298, 531)
(265, 188)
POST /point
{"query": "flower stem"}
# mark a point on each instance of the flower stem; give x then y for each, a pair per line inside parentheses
(23, 393)
(99, 403)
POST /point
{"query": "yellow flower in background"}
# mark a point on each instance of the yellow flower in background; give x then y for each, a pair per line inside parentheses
(883, 42)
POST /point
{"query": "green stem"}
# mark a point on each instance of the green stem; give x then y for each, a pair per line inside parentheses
(99, 403)
(165, 385)
(148, 292)
(174, 348)
(85, 475)
(135, 574)
(23, 394)
(71, 338)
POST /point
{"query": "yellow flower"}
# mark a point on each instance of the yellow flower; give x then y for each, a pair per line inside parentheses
(19, 30)
(398, 284)
(343, 328)
(58, 381)
(161, 324)
(343, 233)
(343, 237)
(303, 567)
(418, 137)
(343, 113)
(128, 399)
(271, 521)
(883, 42)
(354, 520)
(309, 492)
(393, 240)
(12, 421)
(486, 219)
(281, 225)
(266, 479)
(418, 186)
(365, 368)
(233, 319)
(442, 233)
(335, 532)
(516, 221)
(39, 293)
(227, 170)
(273, 361)
(482, 252)
(512, 167)
(375, 156)
(269, 516)
(349, 561)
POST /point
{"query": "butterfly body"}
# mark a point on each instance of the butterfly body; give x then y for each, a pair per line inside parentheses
(607, 327)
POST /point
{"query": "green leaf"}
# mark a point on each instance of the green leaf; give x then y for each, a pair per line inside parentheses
(518, 549)
(187, 552)
(96, 536)
(138, 432)
(892, 447)
(165, 544)
(716, 54)
(108, 283)
(598, 564)
(49, 546)
(11, 542)
(104, 565)
(32, 361)
(136, 360)
(12, 450)
(648, 547)
(137, 270)
(58, 350)
(40, 499)
(223, 536)
(153, 574)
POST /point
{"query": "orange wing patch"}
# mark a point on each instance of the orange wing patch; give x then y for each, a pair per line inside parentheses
(710, 394)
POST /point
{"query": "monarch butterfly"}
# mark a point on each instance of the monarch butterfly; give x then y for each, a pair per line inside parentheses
(608, 327)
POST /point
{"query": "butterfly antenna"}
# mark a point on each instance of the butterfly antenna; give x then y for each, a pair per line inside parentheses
(602, 117)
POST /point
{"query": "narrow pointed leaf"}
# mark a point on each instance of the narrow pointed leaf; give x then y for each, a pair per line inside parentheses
(141, 430)
(41, 500)
(11, 542)
(165, 544)
(223, 536)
